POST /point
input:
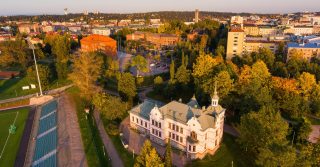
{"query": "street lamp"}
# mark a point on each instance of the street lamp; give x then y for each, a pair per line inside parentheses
(31, 46)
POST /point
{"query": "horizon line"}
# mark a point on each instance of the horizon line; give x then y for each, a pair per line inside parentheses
(260, 13)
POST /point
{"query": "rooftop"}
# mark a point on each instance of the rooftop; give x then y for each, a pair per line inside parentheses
(306, 45)
(98, 38)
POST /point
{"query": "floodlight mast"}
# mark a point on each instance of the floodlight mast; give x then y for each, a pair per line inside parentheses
(31, 46)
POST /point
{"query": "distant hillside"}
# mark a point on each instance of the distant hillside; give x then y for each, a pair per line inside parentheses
(163, 15)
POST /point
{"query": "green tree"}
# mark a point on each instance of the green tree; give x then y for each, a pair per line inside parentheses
(307, 82)
(304, 129)
(45, 76)
(112, 67)
(220, 51)
(158, 80)
(168, 158)
(86, 70)
(111, 107)
(256, 127)
(183, 75)
(172, 72)
(126, 86)
(276, 155)
(140, 63)
(145, 150)
(266, 55)
(61, 50)
(153, 159)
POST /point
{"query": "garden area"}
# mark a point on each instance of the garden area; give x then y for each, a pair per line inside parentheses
(10, 143)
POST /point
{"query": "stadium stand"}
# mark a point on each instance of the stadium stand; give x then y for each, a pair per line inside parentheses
(45, 154)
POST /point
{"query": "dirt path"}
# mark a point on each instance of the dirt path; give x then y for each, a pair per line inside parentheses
(112, 152)
(70, 148)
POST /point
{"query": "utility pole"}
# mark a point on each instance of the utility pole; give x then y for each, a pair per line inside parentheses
(31, 46)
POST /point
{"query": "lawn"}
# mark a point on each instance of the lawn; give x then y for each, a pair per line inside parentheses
(90, 135)
(228, 152)
(13, 87)
(113, 133)
(6, 119)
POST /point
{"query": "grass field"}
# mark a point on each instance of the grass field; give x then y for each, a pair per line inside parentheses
(12, 147)
(13, 87)
(228, 152)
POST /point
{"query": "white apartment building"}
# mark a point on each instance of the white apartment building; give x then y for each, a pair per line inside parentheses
(194, 130)
(101, 31)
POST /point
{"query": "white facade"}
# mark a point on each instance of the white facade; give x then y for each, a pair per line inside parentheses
(101, 31)
(199, 134)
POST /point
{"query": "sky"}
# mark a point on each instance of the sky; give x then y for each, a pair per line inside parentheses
(32, 7)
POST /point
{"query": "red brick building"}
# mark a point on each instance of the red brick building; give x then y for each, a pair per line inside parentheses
(100, 43)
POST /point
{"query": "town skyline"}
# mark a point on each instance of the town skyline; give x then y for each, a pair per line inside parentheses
(36, 7)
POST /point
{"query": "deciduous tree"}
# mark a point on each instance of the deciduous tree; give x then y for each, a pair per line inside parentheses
(86, 70)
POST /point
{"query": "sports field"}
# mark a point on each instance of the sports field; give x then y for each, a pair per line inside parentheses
(9, 144)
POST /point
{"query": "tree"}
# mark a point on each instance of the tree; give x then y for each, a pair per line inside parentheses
(61, 50)
(220, 51)
(203, 67)
(140, 63)
(256, 127)
(276, 155)
(145, 150)
(45, 75)
(112, 67)
(168, 158)
(126, 86)
(266, 55)
(224, 84)
(158, 83)
(309, 155)
(86, 70)
(183, 75)
(304, 129)
(111, 107)
(153, 159)
(307, 82)
(158, 80)
(172, 72)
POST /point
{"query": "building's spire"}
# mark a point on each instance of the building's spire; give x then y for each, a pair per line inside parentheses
(215, 98)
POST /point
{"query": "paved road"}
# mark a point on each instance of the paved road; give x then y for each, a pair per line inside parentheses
(70, 148)
(112, 152)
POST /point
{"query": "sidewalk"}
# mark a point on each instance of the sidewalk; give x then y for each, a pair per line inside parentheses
(112, 152)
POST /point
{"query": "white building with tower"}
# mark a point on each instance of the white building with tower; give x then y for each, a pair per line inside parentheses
(190, 128)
